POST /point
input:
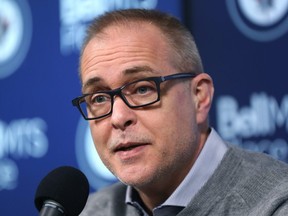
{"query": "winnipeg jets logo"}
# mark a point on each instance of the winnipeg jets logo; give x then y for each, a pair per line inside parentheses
(262, 20)
(15, 34)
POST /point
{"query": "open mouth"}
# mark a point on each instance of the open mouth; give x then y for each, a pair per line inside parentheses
(128, 147)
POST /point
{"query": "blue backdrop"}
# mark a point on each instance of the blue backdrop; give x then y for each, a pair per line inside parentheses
(243, 45)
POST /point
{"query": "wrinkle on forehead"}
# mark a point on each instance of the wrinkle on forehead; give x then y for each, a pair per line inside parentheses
(145, 31)
(123, 46)
(113, 53)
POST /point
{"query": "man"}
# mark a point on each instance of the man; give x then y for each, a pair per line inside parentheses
(147, 100)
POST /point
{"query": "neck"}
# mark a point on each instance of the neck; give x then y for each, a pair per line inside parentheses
(156, 193)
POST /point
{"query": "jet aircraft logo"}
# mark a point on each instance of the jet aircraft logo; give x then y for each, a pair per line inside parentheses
(260, 20)
(15, 34)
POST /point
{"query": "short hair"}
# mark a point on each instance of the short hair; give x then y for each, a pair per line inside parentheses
(185, 54)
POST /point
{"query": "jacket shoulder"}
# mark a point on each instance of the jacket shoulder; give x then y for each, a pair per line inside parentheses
(108, 201)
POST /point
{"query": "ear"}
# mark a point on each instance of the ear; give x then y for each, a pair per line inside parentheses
(203, 90)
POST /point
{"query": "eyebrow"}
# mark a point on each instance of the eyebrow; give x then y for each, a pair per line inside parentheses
(90, 82)
(130, 71)
(138, 69)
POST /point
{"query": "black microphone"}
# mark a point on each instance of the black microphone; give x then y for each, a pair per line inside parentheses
(64, 191)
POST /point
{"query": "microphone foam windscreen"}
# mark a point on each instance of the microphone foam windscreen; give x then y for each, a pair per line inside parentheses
(67, 186)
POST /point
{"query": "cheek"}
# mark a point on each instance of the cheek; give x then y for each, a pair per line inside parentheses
(179, 110)
(100, 135)
(178, 120)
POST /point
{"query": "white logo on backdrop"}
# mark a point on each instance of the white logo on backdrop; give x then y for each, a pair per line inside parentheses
(76, 15)
(260, 121)
(89, 160)
(20, 139)
(15, 34)
(261, 20)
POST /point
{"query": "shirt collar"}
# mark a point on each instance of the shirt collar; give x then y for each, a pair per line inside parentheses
(205, 165)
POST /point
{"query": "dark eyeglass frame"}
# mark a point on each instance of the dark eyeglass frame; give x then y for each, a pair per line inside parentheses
(157, 80)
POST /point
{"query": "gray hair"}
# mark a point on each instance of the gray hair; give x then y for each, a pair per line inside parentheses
(185, 55)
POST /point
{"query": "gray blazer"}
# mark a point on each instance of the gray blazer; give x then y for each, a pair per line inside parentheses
(245, 183)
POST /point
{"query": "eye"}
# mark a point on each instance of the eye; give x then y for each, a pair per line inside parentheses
(98, 99)
(142, 88)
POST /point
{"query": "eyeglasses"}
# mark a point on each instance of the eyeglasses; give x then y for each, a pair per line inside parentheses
(139, 93)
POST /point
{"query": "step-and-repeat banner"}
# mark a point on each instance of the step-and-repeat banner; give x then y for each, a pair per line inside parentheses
(243, 45)
(39, 128)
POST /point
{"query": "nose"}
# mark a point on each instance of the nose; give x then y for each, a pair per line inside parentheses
(122, 116)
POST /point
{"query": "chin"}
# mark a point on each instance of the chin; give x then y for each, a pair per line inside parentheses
(137, 181)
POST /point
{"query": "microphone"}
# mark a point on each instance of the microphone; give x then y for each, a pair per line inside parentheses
(64, 191)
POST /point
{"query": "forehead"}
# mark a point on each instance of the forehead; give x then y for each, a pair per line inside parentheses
(138, 31)
(121, 48)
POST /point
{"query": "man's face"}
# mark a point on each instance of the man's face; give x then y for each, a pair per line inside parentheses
(149, 146)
